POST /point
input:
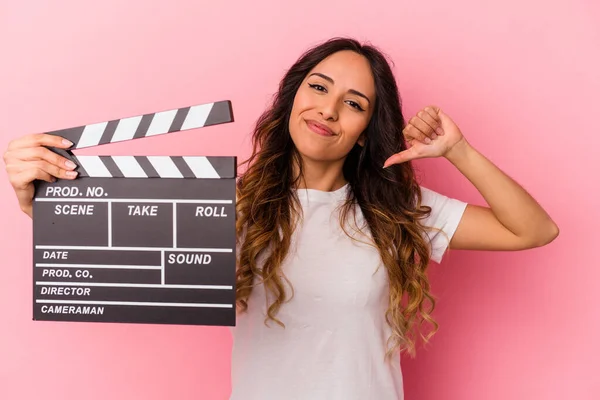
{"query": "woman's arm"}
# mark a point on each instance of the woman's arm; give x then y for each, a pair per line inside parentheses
(513, 220)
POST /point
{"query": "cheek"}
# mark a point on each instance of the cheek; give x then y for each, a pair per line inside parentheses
(353, 125)
(301, 103)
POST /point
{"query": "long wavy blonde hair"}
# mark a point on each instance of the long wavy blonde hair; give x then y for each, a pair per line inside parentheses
(390, 200)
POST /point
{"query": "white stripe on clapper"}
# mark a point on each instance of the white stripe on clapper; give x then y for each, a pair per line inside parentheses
(92, 134)
(165, 167)
(174, 225)
(129, 167)
(109, 223)
(126, 128)
(161, 122)
(201, 167)
(88, 200)
(196, 116)
(122, 248)
(162, 267)
(134, 303)
(138, 285)
(94, 166)
(100, 266)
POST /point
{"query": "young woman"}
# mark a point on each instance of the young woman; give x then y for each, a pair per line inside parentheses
(334, 232)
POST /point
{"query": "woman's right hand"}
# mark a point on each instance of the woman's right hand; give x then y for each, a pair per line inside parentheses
(27, 160)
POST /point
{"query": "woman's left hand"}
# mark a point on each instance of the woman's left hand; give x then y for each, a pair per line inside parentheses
(431, 133)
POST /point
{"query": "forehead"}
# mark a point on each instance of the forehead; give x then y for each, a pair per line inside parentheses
(349, 70)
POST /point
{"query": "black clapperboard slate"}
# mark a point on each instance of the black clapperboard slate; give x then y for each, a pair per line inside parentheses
(138, 239)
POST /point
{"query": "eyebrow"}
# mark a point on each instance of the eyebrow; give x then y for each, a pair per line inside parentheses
(327, 78)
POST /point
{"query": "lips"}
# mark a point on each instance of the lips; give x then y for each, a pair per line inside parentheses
(319, 128)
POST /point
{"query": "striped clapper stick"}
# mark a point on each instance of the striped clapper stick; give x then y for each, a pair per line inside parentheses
(151, 124)
(138, 239)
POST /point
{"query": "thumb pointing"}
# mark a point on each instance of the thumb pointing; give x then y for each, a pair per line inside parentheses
(398, 158)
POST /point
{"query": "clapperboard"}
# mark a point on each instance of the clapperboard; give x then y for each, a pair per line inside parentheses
(138, 239)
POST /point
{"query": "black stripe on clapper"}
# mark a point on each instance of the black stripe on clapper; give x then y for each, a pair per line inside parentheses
(81, 172)
(183, 167)
(146, 166)
(143, 126)
(220, 113)
(225, 166)
(109, 131)
(179, 119)
(110, 164)
(72, 134)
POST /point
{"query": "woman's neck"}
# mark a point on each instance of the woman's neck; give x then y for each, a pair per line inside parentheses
(318, 175)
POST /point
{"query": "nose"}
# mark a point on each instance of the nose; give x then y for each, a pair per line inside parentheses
(328, 110)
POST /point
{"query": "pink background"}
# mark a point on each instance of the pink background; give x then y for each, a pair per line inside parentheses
(521, 77)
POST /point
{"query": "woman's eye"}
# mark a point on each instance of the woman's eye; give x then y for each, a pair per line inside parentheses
(351, 103)
(317, 87)
(355, 105)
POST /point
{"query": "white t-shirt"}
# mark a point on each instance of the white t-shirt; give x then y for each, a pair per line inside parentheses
(334, 342)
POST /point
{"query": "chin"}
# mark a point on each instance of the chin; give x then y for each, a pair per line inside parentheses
(314, 148)
(312, 152)
(319, 153)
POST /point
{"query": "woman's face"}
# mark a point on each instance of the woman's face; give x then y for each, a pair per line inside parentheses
(333, 107)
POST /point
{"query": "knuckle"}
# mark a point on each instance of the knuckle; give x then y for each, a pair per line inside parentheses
(44, 165)
(39, 152)
(33, 137)
(56, 171)
(39, 174)
(37, 139)
(11, 171)
(50, 156)
(15, 180)
(13, 143)
(58, 160)
(36, 164)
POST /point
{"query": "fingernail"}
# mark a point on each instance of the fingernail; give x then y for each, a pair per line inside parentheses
(71, 173)
(67, 143)
(70, 164)
(427, 140)
(440, 131)
(434, 136)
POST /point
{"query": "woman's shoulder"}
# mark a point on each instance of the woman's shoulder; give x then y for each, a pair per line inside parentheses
(437, 200)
